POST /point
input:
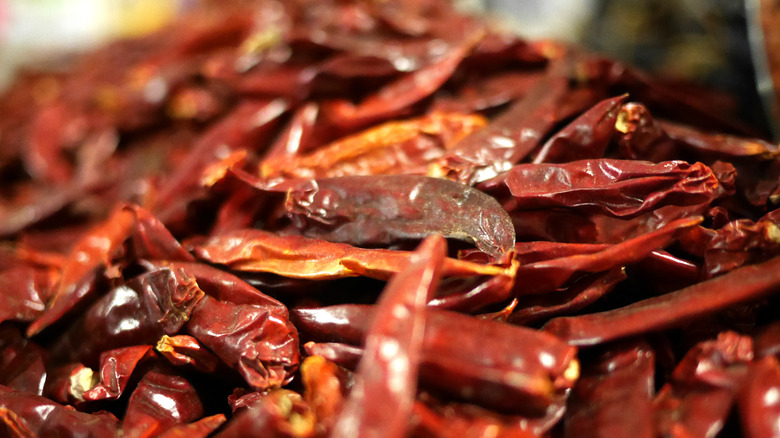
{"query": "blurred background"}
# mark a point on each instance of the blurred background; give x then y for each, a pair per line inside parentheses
(702, 41)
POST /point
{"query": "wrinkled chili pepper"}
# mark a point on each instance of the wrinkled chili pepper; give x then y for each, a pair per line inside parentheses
(166, 199)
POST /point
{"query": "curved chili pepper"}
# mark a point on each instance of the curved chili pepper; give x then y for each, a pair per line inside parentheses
(586, 137)
(382, 210)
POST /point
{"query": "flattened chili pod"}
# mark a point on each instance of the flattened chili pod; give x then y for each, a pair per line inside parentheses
(394, 340)
(381, 210)
(505, 367)
(742, 285)
(302, 257)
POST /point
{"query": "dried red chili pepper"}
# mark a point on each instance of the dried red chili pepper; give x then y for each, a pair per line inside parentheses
(140, 311)
(621, 380)
(296, 256)
(393, 343)
(38, 416)
(757, 402)
(91, 251)
(161, 401)
(116, 368)
(703, 387)
(393, 147)
(257, 341)
(186, 350)
(463, 366)
(382, 210)
(619, 188)
(745, 284)
(279, 413)
(586, 137)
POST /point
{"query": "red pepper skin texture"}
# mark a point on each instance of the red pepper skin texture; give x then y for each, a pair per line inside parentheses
(586, 137)
(703, 387)
(116, 368)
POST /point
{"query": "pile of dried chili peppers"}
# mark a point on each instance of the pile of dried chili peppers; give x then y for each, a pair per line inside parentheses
(346, 218)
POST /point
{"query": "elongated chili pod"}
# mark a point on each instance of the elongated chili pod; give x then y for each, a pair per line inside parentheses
(547, 275)
(619, 188)
(382, 210)
(393, 349)
(302, 257)
(489, 369)
(394, 147)
(510, 137)
(742, 285)
(91, 251)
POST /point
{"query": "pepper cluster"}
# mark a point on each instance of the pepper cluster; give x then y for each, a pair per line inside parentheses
(310, 218)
